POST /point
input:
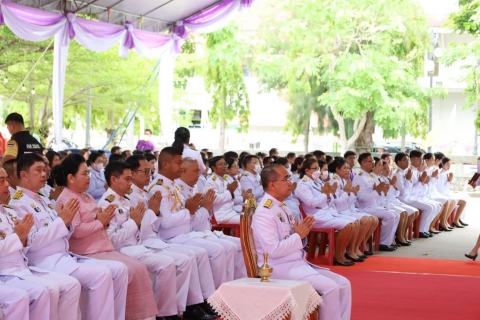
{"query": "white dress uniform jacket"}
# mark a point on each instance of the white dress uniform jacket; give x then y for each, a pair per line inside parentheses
(190, 153)
(249, 180)
(273, 233)
(238, 198)
(345, 203)
(47, 248)
(223, 206)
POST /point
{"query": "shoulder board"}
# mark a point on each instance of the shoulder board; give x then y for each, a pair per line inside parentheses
(160, 182)
(268, 204)
(225, 177)
(295, 172)
(131, 190)
(371, 175)
(398, 170)
(304, 179)
(7, 206)
(360, 174)
(214, 177)
(18, 195)
(110, 198)
(41, 194)
(245, 174)
(126, 197)
(335, 177)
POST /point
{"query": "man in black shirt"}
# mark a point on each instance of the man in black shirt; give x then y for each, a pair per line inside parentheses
(21, 141)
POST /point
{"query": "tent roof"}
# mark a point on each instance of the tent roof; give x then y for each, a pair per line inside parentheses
(151, 15)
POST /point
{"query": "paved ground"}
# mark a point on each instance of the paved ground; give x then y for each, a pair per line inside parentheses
(447, 245)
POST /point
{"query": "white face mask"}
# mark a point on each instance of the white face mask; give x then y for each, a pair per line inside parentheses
(257, 169)
(324, 175)
(97, 166)
(316, 175)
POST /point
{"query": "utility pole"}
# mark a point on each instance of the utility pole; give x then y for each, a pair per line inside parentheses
(89, 119)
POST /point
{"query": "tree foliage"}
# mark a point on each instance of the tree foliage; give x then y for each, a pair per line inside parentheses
(368, 55)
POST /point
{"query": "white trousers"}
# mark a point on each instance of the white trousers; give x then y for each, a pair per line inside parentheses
(162, 273)
(429, 212)
(216, 256)
(63, 291)
(119, 273)
(205, 274)
(336, 293)
(232, 220)
(231, 254)
(240, 269)
(97, 301)
(15, 302)
(390, 220)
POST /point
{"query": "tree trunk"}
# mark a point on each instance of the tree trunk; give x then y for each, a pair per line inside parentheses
(364, 141)
(307, 135)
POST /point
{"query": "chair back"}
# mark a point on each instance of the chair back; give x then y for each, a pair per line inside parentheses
(304, 215)
(246, 238)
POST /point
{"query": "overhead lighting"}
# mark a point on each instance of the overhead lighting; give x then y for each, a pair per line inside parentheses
(24, 88)
(33, 91)
(6, 79)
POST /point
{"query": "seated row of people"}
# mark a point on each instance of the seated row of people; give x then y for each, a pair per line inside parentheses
(103, 257)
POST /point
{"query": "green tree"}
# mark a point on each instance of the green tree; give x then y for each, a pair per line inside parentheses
(368, 55)
(224, 80)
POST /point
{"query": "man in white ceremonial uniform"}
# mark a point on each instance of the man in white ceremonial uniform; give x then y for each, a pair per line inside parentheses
(250, 179)
(276, 232)
(124, 232)
(405, 187)
(224, 205)
(420, 184)
(177, 213)
(10, 167)
(47, 243)
(369, 201)
(190, 288)
(14, 302)
(14, 270)
(201, 220)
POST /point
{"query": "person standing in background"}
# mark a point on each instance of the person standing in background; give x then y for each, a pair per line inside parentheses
(146, 144)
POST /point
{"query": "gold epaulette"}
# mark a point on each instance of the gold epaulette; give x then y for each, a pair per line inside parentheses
(130, 191)
(214, 177)
(295, 172)
(7, 206)
(268, 204)
(305, 179)
(360, 173)
(110, 198)
(18, 195)
(225, 177)
(159, 182)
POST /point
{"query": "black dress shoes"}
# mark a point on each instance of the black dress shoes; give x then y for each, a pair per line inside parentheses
(384, 247)
(344, 264)
(403, 244)
(463, 223)
(208, 309)
(423, 235)
(197, 313)
(457, 225)
(359, 259)
(436, 232)
(368, 253)
(445, 229)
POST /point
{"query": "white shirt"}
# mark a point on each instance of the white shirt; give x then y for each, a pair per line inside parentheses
(190, 153)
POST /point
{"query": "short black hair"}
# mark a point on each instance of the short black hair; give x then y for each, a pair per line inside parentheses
(124, 154)
(116, 157)
(249, 158)
(318, 153)
(281, 160)
(399, 157)
(8, 166)
(101, 152)
(416, 154)
(69, 166)
(438, 155)
(213, 162)
(115, 149)
(348, 154)
(115, 169)
(148, 130)
(50, 156)
(385, 155)
(230, 154)
(140, 152)
(269, 174)
(168, 152)
(427, 156)
(230, 162)
(14, 117)
(26, 161)
(134, 161)
(363, 157)
(290, 155)
(62, 154)
(149, 157)
(272, 151)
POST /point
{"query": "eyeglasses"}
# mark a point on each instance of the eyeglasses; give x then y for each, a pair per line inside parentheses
(221, 164)
(287, 180)
(147, 171)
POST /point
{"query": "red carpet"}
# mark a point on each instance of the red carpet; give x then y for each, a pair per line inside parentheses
(391, 296)
(412, 265)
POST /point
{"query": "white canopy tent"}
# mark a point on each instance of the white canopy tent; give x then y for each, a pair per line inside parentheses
(137, 25)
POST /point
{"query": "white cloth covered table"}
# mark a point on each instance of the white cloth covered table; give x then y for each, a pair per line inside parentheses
(250, 299)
